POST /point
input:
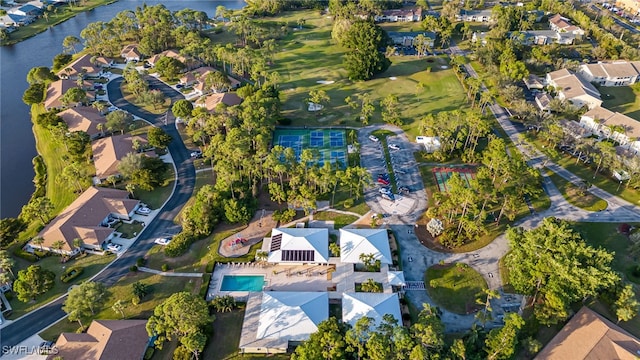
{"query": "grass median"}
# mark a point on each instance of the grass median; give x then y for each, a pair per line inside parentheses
(455, 287)
(575, 195)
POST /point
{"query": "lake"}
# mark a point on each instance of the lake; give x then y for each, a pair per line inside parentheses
(17, 144)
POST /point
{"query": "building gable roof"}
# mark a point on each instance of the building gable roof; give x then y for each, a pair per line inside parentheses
(373, 305)
(56, 90)
(292, 315)
(82, 65)
(83, 118)
(588, 335)
(354, 242)
(107, 152)
(210, 102)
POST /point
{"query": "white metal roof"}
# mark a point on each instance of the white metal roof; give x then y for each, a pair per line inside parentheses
(373, 305)
(396, 278)
(354, 242)
(295, 239)
(291, 315)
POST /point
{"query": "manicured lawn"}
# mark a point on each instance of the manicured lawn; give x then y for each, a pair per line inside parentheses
(92, 264)
(340, 220)
(455, 287)
(310, 55)
(161, 288)
(156, 197)
(342, 194)
(129, 230)
(61, 14)
(623, 99)
(504, 275)
(575, 196)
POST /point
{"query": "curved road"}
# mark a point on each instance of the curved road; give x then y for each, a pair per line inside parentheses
(37, 320)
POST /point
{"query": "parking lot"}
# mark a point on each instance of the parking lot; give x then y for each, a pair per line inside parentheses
(409, 205)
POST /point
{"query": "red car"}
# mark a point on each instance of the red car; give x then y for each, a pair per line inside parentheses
(383, 181)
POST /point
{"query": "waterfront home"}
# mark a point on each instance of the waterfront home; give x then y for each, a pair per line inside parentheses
(130, 53)
(87, 218)
(84, 118)
(86, 66)
(107, 153)
(57, 89)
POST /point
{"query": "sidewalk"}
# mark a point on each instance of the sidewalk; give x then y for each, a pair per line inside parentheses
(167, 273)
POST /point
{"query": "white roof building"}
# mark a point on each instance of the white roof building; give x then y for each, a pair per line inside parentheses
(354, 242)
(396, 278)
(373, 305)
(274, 318)
(298, 246)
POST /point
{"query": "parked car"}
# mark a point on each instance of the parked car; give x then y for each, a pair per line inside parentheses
(196, 154)
(114, 247)
(383, 182)
(404, 190)
(388, 197)
(385, 190)
(162, 241)
(143, 210)
(383, 176)
(373, 138)
(394, 147)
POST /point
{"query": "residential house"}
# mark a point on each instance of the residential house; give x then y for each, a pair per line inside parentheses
(561, 24)
(210, 102)
(130, 53)
(629, 6)
(357, 242)
(197, 79)
(298, 246)
(613, 73)
(534, 82)
(357, 305)
(400, 15)
(14, 20)
(574, 129)
(407, 38)
(543, 37)
(84, 118)
(431, 143)
(189, 63)
(85, 218)
(27, 10)
(574, 89)
(475, 16)
(543, 100)
(590, 336)
(105, 340)
(274, 320)
(84, 67)
(108, 151)
(57, 89)
(614, 125)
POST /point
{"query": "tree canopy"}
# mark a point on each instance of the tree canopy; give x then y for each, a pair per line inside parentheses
(181, 315)
(363, 61)
(33, 282)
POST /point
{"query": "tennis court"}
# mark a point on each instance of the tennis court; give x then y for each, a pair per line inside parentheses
(331, 144)
(442, 175)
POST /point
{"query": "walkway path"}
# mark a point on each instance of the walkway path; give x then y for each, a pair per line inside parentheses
(166, 273)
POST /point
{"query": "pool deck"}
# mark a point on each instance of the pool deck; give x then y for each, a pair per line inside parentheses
(335, 278)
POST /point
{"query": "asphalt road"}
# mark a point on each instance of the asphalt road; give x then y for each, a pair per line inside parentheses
(37, 320)
(623, 24)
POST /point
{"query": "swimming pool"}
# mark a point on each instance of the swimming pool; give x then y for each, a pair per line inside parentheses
(242, 283)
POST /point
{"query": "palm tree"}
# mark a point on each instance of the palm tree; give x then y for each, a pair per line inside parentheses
(38, 241)
(57, 245)
(130, 188)
(77, 243)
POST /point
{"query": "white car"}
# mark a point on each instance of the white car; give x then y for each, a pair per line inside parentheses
(114, 247)
(162, 241)
(373, 138)
(394, 147)
(385, 191)
(143, 210)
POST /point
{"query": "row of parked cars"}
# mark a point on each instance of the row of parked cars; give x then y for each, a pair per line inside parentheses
(573, 152)
(391, 146)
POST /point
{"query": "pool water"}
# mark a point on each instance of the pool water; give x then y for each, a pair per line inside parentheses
(242, 283)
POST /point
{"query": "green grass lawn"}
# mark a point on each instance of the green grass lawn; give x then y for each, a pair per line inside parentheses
(504, 275)
(60, 15)
(310, 55)
(159, 109)
(623, 99)
(92, 264)
(161, 288)
(575, 196)
(129, 230)
(340, 220)
(455, 288)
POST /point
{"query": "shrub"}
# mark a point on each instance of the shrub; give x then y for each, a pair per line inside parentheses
(135, 300)
(41, 254)
(181, 353)
(205, 285)
(71, 273)
(284, 121)
(133, 268)
(25, 255)
(140, 262)
(348, 203)
(164, 267)
(148, 354)
(179, 245)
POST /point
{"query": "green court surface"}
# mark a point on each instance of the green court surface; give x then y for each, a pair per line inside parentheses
(442, 175)
(331, 144)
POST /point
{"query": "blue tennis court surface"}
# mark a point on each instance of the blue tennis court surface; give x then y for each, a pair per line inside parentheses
(329, 144)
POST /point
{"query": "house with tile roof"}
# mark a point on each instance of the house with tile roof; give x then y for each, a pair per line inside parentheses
(210, 102)
(559, 23)
(611, 73)
(105, 340)
(574, 89)
(130, 53)
(84, 118)
(197, 79)
(84, 67)
(57, 89)
(614, 125)
(85, 218)
(188, 62)
(108, 151)
(590, 336)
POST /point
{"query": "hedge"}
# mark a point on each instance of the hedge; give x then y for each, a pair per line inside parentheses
(71, 273)
(179, 244)
(25, 255)
(205, 285)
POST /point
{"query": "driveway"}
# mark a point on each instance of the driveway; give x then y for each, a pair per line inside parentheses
(37, 320)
